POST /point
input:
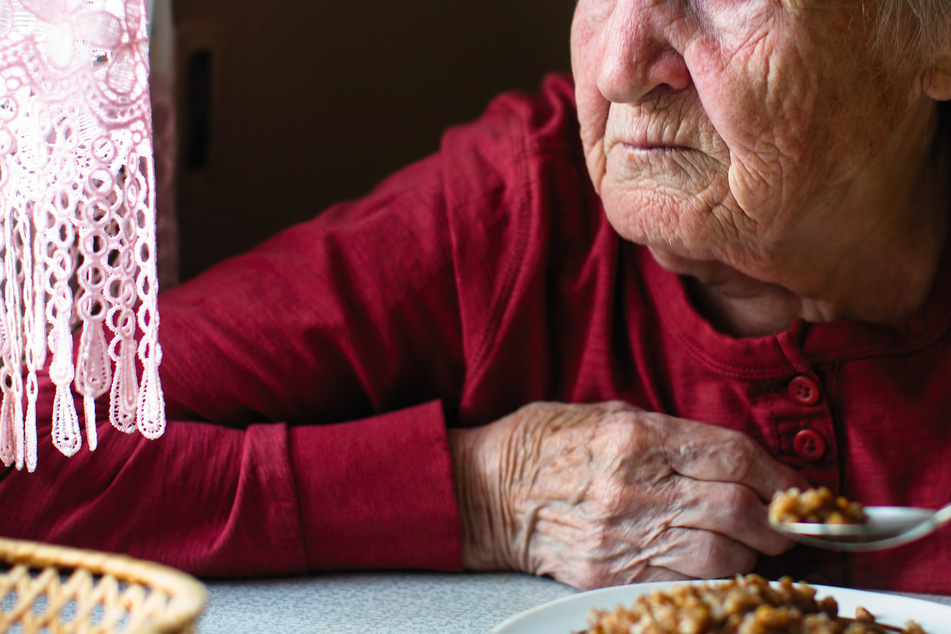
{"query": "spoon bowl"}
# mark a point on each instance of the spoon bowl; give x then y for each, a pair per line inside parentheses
(887, 527)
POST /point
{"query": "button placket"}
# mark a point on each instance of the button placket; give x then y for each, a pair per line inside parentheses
(805, 429)
(803, 416)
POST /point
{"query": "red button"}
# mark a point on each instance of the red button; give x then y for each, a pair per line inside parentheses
(809, 445)
(804, 390)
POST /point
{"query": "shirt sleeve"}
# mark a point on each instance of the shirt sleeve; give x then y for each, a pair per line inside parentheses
(354, 353)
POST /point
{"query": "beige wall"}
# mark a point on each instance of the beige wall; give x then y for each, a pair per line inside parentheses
(314, 101)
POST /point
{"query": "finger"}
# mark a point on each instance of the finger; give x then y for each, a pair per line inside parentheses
(702, 554)
(707, 452)
(732, 510)
(652, 574)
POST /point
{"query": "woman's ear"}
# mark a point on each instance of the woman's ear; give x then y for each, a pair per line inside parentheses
(936, 82)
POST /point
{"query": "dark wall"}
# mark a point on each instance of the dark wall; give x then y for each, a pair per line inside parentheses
(287, 106)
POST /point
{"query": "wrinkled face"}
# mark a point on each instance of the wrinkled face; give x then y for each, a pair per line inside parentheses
(741, 131)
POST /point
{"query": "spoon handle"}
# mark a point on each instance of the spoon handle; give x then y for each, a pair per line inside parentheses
(942, 515)
(916, 532)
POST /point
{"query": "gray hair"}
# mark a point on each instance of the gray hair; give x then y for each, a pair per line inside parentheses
(920, 27)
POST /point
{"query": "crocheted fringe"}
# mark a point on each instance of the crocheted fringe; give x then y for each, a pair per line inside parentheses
(34, 322)
(77, 223)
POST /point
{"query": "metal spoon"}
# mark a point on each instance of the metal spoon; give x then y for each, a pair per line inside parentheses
(887, 527)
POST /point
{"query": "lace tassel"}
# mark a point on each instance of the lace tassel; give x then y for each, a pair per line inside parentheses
(19, 433)
(93, 371)
(89, 412)
(93, 374)
(11, 427)
(150, 416)
(123, 400)
(8, 450)
(66, 434)
(29, 436)
(65, 425)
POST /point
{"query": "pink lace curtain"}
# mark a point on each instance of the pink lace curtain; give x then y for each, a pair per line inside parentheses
(77, 209)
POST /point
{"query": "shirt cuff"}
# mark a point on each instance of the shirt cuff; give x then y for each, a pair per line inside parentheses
(378, 493)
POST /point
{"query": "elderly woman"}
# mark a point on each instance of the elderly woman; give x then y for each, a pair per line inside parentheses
(590, 352)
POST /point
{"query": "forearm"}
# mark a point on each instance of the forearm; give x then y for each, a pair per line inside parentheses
(265, 500)
(209, 500)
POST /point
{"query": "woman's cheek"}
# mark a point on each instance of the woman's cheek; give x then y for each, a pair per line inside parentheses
(592, 135)
(735, 109)
(751, 188)
(593, 111)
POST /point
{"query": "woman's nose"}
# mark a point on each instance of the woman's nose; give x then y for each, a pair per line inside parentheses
(637, 56)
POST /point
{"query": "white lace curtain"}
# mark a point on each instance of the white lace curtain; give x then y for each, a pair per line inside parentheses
(77, 209)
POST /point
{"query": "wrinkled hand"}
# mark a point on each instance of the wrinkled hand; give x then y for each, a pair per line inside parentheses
(598, 495)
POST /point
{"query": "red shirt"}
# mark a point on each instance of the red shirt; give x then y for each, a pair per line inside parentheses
(480, 279)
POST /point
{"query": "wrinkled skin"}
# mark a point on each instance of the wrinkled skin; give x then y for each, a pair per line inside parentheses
(604, 494)
(764, 149)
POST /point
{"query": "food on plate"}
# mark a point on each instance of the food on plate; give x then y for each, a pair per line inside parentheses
(745, 605)
(815, 506)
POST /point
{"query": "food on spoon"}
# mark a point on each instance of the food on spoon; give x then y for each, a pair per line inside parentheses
(744, 605)
(815, 506)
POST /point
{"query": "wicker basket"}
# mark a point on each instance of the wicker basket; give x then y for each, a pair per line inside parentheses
(54, 589)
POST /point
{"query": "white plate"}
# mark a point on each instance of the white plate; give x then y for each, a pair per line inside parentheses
(570, 614)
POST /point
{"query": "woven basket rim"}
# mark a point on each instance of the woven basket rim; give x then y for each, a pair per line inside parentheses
(187, 596)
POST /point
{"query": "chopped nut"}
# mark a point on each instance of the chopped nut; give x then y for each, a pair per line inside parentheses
(744, 605)
(864, 616)
(816, 506)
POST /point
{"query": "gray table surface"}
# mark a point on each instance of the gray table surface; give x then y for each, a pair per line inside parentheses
(380, 602)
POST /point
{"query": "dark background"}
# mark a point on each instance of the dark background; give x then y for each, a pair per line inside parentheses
(287, 106)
